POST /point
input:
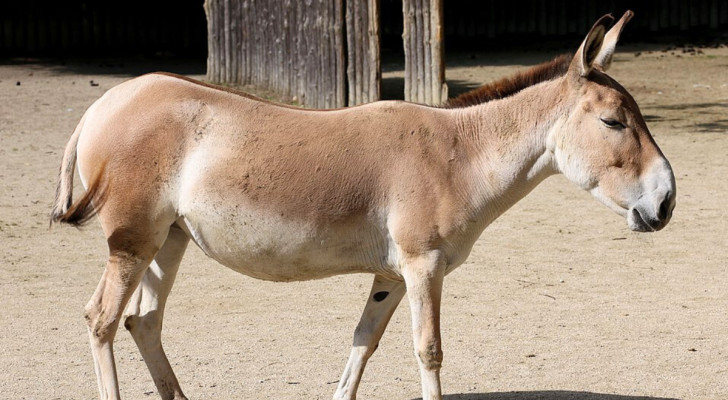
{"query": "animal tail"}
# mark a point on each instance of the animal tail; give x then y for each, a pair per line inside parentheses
(80, 212)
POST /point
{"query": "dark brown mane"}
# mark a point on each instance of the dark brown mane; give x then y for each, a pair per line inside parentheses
(513, 84)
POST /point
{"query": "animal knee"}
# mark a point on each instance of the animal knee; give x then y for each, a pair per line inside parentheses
(98, 322)
(431, 356)
(89, 314)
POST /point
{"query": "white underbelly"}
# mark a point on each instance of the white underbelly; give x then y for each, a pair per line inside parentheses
(265, 246)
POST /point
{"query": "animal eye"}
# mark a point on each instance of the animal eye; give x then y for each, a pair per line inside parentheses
(612, 123)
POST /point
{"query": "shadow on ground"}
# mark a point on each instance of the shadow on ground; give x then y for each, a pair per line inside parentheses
(714, 110)
(692, 106)
(548, 395)
(720, 125)
(128, 66)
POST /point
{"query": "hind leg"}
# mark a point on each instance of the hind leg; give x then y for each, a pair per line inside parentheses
(123, 272)
(145, 312)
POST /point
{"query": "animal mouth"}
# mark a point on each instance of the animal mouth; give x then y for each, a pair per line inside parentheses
(639, 224)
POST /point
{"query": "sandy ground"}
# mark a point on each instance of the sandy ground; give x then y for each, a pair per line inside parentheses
(559, 300)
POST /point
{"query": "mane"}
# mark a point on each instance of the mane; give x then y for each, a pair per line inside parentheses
(511, 85)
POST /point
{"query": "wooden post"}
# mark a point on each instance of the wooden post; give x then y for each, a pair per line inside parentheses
(212, 31)
(423, 35)
(339, 59)
(363, 61)
(437, 40)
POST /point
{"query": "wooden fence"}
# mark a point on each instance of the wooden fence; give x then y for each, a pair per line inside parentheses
(292, 47)
(296, 48)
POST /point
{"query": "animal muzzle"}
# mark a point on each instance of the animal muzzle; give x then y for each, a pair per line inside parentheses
(652, 218)
(653, 209)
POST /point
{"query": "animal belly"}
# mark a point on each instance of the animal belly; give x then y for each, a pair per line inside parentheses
(268, 247)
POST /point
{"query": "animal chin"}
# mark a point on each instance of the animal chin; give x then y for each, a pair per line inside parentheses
(607, 201)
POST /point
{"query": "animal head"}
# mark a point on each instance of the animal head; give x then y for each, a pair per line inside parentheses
(603, 144)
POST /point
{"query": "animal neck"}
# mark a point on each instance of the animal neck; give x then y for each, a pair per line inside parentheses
(510, 146)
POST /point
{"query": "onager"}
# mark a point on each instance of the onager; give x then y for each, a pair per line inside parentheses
(391, 188)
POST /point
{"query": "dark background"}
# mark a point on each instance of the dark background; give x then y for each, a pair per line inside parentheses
(77, 28)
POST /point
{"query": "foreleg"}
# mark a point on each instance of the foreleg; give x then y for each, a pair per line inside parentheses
(383, 300)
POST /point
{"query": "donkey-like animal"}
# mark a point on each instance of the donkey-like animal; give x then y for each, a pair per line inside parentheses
(395, 189)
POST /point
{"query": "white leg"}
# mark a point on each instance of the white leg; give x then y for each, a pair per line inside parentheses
(103, 313)
(145, 312)
(424, 277)
(94, 353)
(383, 300)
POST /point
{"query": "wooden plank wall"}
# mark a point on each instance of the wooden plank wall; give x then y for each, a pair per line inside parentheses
(297, 49)
(291, 47)
(424, 71)
(363, 61)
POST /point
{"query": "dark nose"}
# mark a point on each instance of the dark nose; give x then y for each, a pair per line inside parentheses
(665, 211)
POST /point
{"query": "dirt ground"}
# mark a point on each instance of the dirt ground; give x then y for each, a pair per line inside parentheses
(559, 300)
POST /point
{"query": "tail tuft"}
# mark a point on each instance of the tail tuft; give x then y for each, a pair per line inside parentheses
(80, 212)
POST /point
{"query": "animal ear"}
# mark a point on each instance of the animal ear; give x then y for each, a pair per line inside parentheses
(604, 58)
(584, 58)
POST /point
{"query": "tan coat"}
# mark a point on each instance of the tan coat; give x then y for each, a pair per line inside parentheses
(396, 189)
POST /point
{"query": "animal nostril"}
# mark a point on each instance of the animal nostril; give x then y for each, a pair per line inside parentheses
(664, 210)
